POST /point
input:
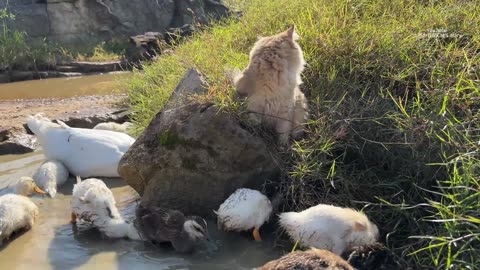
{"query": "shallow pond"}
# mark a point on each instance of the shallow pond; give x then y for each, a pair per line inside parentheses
(103, 84)
(53, 243)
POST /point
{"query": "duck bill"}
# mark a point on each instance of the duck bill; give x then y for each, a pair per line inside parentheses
(39, 191)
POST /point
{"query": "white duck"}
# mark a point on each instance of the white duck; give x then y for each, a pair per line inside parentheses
(25, 187)
(50, 175)
(85, 152)
(93, 201)
(329, 227)
(244, 210)
(112, 126)
(16, 210)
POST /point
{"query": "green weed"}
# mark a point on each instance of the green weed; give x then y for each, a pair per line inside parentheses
(394, 112)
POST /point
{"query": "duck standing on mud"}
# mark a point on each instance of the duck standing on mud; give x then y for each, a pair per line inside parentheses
(50, 175)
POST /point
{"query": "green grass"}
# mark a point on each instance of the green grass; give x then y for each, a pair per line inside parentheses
(16, 51)
(394, 100)
(94, 51)
(19, 52)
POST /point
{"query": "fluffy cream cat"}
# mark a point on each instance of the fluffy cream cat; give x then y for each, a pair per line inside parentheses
(271, 84)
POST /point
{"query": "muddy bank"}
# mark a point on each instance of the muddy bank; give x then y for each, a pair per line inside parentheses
(14, 112)
(79, 102)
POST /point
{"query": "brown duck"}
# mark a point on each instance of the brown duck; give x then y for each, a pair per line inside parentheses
(159, 225)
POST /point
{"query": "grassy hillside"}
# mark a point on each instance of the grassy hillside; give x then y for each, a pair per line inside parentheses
(394, 90)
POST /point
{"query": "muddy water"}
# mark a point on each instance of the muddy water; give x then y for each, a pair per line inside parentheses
(55, 244)
(63, 87)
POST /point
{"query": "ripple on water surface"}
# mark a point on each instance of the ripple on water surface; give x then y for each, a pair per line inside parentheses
(53, 243)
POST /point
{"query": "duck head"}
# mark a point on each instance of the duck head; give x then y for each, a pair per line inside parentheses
(26, 186)
(364, 233)
(196, 228)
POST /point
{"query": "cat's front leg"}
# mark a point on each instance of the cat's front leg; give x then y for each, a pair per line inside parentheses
(283, 128)
(300, 114)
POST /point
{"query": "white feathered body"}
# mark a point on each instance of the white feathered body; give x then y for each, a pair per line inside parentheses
(329, 227)
(245, 209)
(112, 126)
(50, 175)
(91, 197)
(16, 212)
(93, 201)
(85, 152)
(120, 228)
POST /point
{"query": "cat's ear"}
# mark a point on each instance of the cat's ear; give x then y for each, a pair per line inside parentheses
(291, 33)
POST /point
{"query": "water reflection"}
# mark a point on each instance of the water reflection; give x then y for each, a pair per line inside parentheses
(63, 87)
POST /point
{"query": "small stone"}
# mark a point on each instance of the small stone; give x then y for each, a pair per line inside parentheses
(14, 141)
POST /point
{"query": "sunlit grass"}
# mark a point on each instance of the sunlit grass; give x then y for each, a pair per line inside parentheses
(394, 101)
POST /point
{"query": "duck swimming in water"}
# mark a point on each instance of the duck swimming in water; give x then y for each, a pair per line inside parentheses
(26, 186)
(164, 225)
(16, 210)
(93, 201)
(50, 175)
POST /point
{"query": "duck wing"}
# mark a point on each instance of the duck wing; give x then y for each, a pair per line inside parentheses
(159, 224)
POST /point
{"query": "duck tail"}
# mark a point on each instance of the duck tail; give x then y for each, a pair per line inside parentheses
(287, 219)
(62, 124)
(79, 180)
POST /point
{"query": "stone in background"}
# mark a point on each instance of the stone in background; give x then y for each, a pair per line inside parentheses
(70, 21)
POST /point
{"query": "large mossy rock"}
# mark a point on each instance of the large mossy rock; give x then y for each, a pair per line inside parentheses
(192, 157)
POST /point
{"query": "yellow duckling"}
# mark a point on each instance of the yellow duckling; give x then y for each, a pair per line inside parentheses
(314, 259)
(16, 210)
(26, 186)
